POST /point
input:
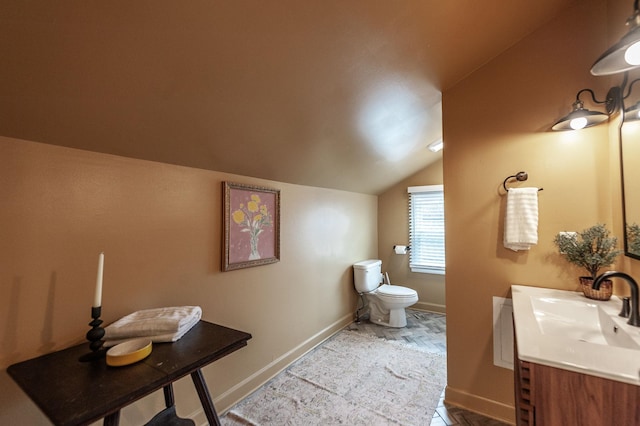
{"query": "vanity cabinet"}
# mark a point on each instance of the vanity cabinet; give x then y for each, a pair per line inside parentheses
(549, 396)
(576, 362)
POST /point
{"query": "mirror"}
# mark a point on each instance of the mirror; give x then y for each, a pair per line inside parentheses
(630, 165)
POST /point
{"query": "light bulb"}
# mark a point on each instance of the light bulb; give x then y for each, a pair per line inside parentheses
(632, 54)
(578, 123)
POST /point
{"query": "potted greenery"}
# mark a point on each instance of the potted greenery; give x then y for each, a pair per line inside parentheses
(591, 249)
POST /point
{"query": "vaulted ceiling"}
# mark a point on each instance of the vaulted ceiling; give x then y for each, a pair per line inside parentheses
(341, 94)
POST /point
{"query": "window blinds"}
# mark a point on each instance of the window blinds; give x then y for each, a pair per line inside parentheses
(426, 229)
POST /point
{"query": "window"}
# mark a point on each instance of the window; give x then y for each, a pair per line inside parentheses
(426, 229)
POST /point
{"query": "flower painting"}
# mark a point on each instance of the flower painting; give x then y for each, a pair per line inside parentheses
(252, 218)
(251, 226)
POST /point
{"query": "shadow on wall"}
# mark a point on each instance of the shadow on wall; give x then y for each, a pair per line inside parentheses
(12, 327)
(10, 335)
(394, 263)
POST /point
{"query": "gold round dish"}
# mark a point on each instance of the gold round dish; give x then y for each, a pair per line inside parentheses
(128, 352)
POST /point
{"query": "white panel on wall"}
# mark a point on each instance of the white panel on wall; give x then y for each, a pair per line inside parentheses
(502, 332)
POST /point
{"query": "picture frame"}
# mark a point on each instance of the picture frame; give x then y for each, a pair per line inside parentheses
(251, 226)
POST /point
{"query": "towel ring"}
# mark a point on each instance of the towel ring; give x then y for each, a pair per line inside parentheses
(520, 177)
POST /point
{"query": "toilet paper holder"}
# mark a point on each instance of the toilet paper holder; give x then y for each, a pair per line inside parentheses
(398, 249)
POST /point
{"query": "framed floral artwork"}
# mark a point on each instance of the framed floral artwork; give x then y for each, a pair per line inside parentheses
(251, 226)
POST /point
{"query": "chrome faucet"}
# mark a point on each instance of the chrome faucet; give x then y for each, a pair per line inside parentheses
(634, 318)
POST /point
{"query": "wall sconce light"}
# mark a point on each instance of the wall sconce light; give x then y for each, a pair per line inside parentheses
(580, 117)
(436, 145)
(625, 54)
(621, 57)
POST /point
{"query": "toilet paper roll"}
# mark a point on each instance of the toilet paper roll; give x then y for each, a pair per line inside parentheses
(400, 249)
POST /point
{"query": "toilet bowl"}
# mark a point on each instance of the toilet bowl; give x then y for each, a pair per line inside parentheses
(385, 303)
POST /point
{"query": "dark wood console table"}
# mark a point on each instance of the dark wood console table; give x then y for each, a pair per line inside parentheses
(71, 392)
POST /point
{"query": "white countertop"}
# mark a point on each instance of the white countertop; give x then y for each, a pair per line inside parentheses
(540, 341)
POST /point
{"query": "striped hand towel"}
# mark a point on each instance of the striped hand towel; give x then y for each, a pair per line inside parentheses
(521, 219)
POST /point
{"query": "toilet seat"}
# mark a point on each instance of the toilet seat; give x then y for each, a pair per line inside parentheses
(396, 292)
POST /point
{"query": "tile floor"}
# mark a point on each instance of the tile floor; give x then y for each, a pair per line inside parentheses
(427, 330)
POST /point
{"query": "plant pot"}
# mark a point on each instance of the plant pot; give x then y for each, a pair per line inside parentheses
(605, 292)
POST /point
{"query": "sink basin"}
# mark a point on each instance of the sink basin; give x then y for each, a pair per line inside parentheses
(566, 330)
(579, 320)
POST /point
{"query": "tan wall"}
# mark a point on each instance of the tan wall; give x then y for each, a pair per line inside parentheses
(495, 124)
(393, 228)
(160, 228)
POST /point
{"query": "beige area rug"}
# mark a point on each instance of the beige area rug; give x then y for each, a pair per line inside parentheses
(351, 379)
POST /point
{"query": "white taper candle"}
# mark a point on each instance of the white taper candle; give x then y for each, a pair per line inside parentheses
(97, 299)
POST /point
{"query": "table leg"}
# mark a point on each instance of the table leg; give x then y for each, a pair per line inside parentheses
(169, 400)
(205, 398)
(112, 419)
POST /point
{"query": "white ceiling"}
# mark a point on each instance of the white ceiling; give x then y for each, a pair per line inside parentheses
(341, 94)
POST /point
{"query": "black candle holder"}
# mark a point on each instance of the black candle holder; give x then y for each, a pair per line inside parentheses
(95, 336)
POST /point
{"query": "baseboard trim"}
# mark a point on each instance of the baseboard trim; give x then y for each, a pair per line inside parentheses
(486, 407)
(430, 307)
(237, 393)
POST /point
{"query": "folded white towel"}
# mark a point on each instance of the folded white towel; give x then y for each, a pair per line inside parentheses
(521, 219)
(159, 324)
(159, 338)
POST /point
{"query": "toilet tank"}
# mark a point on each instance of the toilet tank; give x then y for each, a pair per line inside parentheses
(367, 275)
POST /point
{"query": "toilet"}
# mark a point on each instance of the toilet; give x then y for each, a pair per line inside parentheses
(386, 302)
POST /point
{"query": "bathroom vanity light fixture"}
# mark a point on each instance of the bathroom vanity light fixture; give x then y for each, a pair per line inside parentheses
(581, 117)
(436, 145)
(621, 57)
(625, 54)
